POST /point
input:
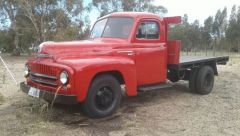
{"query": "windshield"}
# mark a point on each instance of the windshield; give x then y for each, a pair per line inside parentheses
(113, 27)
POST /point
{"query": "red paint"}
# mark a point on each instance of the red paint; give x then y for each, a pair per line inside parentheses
(174, 48)
(139, 61)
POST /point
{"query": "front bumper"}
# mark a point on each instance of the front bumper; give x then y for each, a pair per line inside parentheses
(49, 96)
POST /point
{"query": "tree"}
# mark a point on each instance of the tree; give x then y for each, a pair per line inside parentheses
(232, 32)
(194, 34)
(220, 23)
(50, 19)
(188, 33)
(34, 21)
(10, 9)
(185, 20)
(79, 16)
(108, 6)
(60, 26)
(128, 5)
(6, 38)
(37, 11)
(206, 32)
(238, 28)
(144, 6)
(219, 27)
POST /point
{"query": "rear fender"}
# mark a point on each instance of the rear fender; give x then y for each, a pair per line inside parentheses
(213, 64)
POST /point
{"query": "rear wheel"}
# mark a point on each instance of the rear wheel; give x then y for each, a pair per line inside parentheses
(205, 80)
(104, 96)
(192, 79)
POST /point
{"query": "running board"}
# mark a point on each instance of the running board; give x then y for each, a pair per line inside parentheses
(153, 87)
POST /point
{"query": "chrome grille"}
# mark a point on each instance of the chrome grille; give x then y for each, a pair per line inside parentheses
(43, 69)
(43, 74)
(43, 79)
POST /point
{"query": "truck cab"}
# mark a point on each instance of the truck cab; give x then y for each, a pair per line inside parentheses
(127, 52)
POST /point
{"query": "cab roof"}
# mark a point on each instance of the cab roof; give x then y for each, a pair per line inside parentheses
(135, 15)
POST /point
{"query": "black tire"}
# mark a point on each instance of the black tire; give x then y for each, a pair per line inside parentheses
(104, 97)
(205, 80)
(173, 76)
(192, 79)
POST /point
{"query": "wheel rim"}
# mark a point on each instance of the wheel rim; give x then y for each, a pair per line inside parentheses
(104, 98)
(208, 81)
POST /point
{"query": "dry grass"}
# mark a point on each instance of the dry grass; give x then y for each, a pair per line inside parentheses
(1, 99)
(175, 111)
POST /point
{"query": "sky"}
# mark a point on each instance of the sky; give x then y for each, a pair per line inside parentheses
(196, 9)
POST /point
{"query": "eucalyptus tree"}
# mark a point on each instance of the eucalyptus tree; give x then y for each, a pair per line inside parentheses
(9, 9)
(108, 6)
(232, 33)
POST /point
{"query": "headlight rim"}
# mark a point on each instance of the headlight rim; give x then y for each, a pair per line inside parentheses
(67, 77)
(26, 71)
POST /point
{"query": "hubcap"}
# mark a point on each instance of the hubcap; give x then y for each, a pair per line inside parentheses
(208, 81)
(104, 98)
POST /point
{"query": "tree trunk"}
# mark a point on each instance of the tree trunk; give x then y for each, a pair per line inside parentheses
(41, 31)
(214, 46)
(207, 45)
(229, 49)
(16, 50)
(238, 43)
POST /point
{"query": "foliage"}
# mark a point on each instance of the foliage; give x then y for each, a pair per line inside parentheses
(233, 30)
(216, 32)
(33, 21)
(108, 6)
(24, 24)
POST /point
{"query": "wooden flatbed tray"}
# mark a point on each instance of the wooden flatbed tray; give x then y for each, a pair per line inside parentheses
(186, 62)
(196, 59)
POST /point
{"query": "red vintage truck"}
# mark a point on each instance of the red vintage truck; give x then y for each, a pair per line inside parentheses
(127, 52)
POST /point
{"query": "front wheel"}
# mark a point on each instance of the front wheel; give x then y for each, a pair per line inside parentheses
(104, 96)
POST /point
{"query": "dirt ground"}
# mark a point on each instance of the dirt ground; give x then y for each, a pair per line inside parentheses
(174, 111)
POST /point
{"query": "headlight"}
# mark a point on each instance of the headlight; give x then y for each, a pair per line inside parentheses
(64, 77)
(26, 71)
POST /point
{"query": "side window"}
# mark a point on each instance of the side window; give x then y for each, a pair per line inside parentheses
(148, 30)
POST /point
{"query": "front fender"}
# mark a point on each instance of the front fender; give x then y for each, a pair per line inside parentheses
(87, 68)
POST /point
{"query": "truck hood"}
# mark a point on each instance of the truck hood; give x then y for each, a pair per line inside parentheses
(82, 48)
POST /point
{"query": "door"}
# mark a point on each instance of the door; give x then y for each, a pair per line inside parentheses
(150, 57)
